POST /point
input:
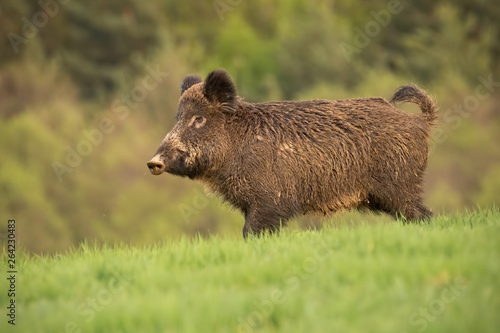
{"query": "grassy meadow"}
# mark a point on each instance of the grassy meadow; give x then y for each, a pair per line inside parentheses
(382, 277)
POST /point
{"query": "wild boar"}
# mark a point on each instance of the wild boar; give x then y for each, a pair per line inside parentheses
(277, 160)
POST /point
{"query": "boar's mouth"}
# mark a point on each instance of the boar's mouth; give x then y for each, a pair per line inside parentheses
(174, 164)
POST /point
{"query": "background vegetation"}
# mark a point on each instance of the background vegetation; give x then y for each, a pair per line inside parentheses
(85, 65)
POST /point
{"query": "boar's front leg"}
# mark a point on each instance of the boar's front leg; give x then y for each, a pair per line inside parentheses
(257, 222)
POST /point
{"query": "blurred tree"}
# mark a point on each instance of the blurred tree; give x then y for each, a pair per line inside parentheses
(105, 42)
(11, 14)
(101, 44)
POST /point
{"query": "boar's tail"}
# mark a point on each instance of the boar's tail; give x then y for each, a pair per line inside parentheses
(413, 94)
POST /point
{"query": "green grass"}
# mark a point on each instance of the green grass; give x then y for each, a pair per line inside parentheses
(438, 277)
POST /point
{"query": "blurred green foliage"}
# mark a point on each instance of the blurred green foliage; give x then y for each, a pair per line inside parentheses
(61, 76)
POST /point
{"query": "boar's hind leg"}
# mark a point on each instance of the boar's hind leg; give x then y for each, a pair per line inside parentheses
(411, 212)
(407, 210)
(257, 222)
(414, 212)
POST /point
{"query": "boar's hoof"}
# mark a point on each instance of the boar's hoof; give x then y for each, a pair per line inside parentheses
(156, 167)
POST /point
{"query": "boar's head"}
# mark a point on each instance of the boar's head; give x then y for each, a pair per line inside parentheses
(199, 141)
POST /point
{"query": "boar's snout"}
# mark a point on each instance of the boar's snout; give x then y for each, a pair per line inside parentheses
(156, 166)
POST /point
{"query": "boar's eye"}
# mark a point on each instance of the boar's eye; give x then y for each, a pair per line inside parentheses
(197, 121)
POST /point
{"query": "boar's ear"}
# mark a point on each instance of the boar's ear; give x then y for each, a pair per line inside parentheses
(189, 81)
(220, 88)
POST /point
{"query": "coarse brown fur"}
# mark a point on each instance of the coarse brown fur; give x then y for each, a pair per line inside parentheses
(277, 160)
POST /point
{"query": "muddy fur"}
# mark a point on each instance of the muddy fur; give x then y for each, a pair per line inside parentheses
(277, 160)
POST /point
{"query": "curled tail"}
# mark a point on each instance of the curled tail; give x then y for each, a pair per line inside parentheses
(412, 93)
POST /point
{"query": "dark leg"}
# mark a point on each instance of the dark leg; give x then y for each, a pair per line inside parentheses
(257, 222)
(410, 211)
(414, 212)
